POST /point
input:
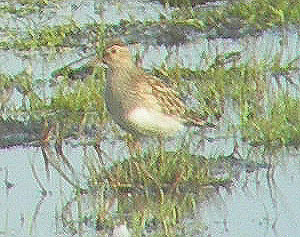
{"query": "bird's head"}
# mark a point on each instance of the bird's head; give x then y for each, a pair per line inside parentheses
(117, 55)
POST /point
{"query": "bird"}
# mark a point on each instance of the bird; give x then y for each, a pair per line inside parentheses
(140, 103)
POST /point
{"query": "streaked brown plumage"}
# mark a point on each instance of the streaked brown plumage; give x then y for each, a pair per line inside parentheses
(139, 102)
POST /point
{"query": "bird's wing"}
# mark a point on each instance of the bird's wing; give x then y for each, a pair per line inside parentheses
(161, 97)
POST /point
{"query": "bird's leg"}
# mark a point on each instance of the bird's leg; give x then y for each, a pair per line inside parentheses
(161, 149)
(134, 146)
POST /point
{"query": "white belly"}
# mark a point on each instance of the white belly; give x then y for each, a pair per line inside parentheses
(154, 122)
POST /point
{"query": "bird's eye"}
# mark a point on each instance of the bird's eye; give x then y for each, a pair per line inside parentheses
(113, 50)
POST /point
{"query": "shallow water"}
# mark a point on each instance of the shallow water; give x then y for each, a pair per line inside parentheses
(260, 203)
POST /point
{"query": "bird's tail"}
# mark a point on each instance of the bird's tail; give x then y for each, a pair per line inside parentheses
(193, 119)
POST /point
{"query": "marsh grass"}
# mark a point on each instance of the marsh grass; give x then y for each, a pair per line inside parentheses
(75, 99)
(158, 194)
(240, 17)
(157, 189)
(50, 37)
(75, 108)
(184, 3)
(228, 20)
(6, 89)
(179, 169)
(224, 78)
(267, 116)
(278, 127)
(23, 8)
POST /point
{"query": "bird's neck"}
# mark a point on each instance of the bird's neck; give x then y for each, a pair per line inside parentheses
(125, 74)
(118, 81)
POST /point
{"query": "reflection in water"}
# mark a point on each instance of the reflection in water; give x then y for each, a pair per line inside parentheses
(259, 201)
(262, 203)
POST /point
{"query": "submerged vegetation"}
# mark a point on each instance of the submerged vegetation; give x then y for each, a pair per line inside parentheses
(252, 98)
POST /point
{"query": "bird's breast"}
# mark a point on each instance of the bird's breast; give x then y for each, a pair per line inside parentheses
(151, 121)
